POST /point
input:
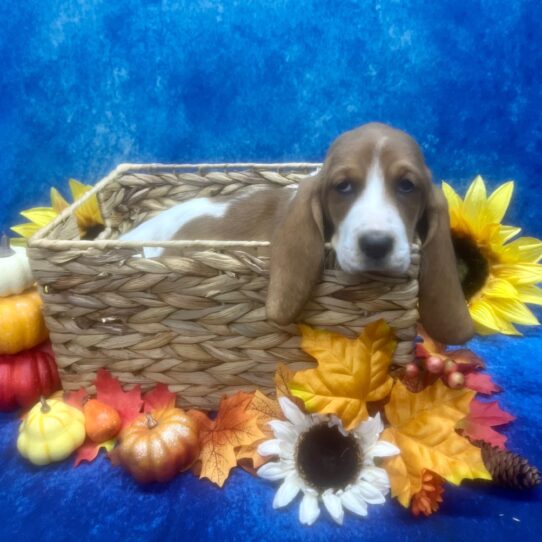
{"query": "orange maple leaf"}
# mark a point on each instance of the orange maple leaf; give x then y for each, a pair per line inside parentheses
(264, 409)
(232, 428)
(350, 372)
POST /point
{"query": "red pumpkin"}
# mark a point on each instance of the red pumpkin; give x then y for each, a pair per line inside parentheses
(26, 376)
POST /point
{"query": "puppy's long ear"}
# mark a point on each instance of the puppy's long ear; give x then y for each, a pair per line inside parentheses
(297, 254)
(443, 310)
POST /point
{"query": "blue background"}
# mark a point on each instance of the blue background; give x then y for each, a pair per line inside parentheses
(85, 85)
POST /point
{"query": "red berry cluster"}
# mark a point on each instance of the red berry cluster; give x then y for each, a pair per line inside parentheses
(439, 367)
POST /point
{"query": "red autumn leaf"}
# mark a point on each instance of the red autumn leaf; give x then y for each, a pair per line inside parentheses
(478, 425)
(89, 451)
(76, 398)
(421, 351)
(481, 382)
(466, 360)
(159, 398)
(127, 403)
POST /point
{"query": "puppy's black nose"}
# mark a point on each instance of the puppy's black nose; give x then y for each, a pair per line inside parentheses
(376, 244)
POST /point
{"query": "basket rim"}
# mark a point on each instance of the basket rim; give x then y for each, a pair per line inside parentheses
(39, 239)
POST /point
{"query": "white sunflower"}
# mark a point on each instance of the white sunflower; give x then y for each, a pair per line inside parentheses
(326, 463)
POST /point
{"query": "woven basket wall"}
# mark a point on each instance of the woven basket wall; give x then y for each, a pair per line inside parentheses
(195, 322)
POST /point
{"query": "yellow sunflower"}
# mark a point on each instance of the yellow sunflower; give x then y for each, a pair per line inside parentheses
(499, 276)
(88, 216)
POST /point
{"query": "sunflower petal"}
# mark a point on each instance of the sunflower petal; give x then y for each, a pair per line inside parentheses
(269, 447)
(377, 477)
(26, 230)
(482, 313)
(524, 249)
(57, 201)
(499, 201)
(506, 233)
(293, 413)
(500, 288)
(284, 431)
(40, 216)
(287, 491)
(383, 449)
(530, 294)
(78, 189)
(370, 494)
(353, 502)
(519, 273)
(334, 506)
(515, 311)
(475, 204)
(309, 509)
(17, 242)
(273, 471)
(454, 201)
(88, 214)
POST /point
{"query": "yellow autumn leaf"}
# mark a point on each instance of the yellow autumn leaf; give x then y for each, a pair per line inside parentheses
(422, 426)
(350, 372)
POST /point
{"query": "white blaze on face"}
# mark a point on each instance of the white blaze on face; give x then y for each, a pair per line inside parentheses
(372, 212)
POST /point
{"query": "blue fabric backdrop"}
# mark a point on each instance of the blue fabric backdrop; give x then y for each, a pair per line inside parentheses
(85, 85)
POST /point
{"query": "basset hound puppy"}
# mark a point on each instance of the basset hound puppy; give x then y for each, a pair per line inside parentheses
(371, 199)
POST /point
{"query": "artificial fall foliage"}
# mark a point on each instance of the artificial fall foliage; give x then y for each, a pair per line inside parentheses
(464, 362)
(264, 410)
(509, 469)
(350, 372)
(234, 426)
(481, 382)
(428, 499)
(482, 417)
(422, 426)
(109, 392)
(158, 398)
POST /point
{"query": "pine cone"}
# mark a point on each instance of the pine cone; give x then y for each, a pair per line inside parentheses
(508, 469)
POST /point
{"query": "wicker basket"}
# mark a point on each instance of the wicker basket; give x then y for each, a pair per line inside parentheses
(195, 322)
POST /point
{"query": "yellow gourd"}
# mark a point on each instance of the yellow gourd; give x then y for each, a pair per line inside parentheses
(15, 272)
(51, 431)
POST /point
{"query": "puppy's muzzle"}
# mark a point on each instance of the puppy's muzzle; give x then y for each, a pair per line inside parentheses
(376, 245)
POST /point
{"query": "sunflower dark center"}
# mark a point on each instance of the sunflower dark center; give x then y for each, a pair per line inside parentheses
(93, 232)
(472, 265)
(327, 459)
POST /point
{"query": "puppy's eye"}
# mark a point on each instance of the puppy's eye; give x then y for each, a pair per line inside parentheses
(405, 186)
(345, 187)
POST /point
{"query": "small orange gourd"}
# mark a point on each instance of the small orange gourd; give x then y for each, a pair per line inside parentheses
(156, 446)
(21, 322)
(102, 422)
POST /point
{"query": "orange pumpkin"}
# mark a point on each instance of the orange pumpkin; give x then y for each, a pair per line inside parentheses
(21, 322)
(158, 445)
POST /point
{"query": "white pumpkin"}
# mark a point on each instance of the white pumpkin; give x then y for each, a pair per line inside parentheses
(15, 272)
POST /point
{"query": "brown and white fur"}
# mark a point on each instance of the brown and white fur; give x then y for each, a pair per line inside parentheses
(372, 197)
